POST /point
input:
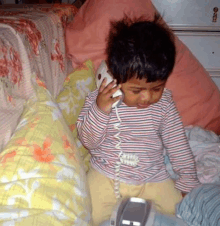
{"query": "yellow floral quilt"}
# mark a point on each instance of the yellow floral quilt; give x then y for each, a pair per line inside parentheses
(72, 98)
(42, 179)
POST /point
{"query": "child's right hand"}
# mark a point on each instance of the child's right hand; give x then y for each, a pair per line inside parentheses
(104, 99)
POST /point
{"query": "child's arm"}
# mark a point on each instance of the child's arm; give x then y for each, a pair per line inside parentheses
(178, 149)
(93, 119)
(92, 123)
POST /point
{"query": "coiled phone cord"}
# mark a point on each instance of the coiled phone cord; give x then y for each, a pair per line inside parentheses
(127, 159)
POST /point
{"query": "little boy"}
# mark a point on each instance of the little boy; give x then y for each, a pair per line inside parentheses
(127, 142)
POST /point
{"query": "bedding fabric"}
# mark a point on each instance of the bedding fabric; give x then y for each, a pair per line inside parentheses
(42, 179)
(72, 98)
(31, 42)
(201, 207)
(205, 146)
(196, 96)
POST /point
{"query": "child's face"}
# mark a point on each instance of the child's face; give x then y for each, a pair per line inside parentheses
(138, 93)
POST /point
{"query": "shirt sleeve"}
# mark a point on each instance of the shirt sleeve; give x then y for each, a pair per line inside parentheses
(178, 149)
(92, 123)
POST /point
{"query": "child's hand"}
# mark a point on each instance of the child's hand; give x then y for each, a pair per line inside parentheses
(183, 194)
(104, 99)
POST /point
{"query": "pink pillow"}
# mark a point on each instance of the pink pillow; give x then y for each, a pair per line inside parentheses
(197, 97)
(85, 37)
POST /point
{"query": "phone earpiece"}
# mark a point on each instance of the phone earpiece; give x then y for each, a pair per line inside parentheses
(118, 93)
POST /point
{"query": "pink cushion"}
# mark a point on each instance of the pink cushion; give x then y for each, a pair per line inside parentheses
(197, 97)
(85, 37)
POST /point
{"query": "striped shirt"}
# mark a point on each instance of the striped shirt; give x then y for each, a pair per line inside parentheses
(143, 132)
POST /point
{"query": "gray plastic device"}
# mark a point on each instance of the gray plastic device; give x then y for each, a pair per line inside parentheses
(134, 212)
(140, 212)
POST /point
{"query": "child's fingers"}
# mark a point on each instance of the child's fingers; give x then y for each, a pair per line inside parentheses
(109, 86)
(102, 86)
(113, 90)
(115, 99)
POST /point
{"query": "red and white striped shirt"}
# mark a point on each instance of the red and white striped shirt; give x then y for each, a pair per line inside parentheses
(143, 132)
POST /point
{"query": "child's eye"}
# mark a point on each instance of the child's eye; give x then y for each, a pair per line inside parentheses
(136, 91)
(156, 89)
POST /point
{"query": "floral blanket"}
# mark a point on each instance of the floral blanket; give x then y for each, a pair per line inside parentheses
(31, 43)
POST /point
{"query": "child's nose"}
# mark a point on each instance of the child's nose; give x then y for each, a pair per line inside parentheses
(146, 96)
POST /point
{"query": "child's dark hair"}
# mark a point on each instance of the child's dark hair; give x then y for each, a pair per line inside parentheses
(141, 49)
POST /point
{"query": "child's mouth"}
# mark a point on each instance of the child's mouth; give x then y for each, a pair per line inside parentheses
(143, 105)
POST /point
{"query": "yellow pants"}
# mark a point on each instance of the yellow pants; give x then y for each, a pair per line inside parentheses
(163, 194)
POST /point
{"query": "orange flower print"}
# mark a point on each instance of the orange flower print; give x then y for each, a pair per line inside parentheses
(63, 14)
(67, 145)
(11, 100)
(16, 66)
(58, 55)
(33, 35)
(43, 154)
(7, 156)
(4, 67)
(67, 79)
(72, 155)
(32, 125)
(82, 66)
(40, 83)
(72, 127)
(10, 65)
(4, 50)
(22, 141)
(27, 27)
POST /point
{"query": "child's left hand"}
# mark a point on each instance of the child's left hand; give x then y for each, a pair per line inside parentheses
(183, 194)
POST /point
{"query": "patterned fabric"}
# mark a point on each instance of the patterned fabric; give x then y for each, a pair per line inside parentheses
(31, 42)
(14, 80)
(72, 98)
(201, 207)
(141, 132)
(42, 181)
(205, 146)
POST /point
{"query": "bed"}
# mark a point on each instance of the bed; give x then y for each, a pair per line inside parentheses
(42, 177)
(48, 58)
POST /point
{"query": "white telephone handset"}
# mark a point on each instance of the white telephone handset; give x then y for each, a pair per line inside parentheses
(102, 73)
